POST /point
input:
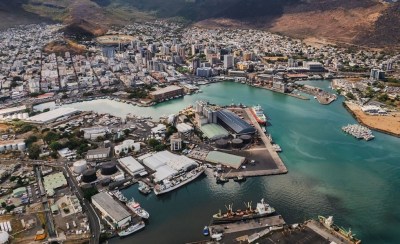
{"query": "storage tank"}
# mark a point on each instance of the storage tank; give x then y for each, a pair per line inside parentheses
(21, 146)
(2, 148)
(237, 143)
(4, 236)
(109, 168)
(8, 146)
(245, 138)
(221, 143)
(14, 146)
(80, 166)
(89, 175)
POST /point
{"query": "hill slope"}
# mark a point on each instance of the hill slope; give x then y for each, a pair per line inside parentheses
(361, 22)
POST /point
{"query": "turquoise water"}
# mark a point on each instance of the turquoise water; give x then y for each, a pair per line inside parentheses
(330, 173)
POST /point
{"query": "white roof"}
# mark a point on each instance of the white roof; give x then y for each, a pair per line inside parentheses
(183, 128)
(176, 162)
(131, 164)
(163, 172)
(52, 115)
(153, 162)
(12, 110)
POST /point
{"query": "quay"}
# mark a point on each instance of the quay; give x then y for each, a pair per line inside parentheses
(281, 168)
(322, 97)
(284, 93)
(322, 231)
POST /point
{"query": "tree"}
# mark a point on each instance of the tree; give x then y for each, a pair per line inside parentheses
(160, 147)
(34, 151)
(31, 139)
(3, 204)
(153, 142)
(10, 207)
(55, 146)
(51, 136)
(89, 192)
(350, 95)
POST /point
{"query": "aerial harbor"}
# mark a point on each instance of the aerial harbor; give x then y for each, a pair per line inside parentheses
(188, 122)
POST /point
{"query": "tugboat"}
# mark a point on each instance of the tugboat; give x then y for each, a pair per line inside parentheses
(131, 229)
(135, 207)
(258, 114)
(340, 231)
(206, 232)
(239, 178)
(144, 188)
(262, 209)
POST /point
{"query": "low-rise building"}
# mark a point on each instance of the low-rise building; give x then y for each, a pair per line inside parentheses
(98, 153)
(131, 165)
(111, 211)
(166, 93)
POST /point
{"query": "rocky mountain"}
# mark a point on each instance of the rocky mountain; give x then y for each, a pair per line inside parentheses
(358, 22)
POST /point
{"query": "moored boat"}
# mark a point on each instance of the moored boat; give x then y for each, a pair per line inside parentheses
(144, 188)
(258, 114)
(239, 178)
(131, 229)
(206, 232)
(340, 231)
(137, 209)
(262, 209)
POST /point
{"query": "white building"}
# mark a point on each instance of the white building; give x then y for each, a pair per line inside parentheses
(228, 61)
(98, 153)
(131, 165)
(176, 142)
(159, 129)
(94, 132)
(126, 146)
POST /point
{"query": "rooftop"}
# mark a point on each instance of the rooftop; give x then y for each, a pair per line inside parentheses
(233, 121)
(226, 159)
(52, 115)
(166, 89)
(112, 207)
(214, 131)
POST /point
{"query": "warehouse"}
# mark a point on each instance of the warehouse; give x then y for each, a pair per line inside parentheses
(226, 159)
(12, 110)
(230, 120)
(167, 164)
(214, 131)
(111, 210)
(98, 154)
(53, 115)
(131, 165)
(166, 93)
(54, 181)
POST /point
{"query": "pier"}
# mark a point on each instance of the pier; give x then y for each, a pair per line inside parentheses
(281, 168)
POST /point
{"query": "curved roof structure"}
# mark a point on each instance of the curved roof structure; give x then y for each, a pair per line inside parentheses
(238, 125)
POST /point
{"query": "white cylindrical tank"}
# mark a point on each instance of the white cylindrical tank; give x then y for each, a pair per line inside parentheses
(2, 148)
(15, 146)
(8, 146)
(80, 166)
(21, 146)
(4, 237)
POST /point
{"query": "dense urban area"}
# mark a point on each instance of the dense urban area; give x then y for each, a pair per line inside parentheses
(62, 169)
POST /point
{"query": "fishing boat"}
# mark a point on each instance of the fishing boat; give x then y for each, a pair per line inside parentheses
(137, 209)
(262, 209)
(144, 188)
(239, 178)
(222, 180)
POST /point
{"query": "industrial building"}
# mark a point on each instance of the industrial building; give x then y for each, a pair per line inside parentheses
(12, 145)
(225, 159)
(314, 66)
(230, 120)
(167, 164)
(166, 93)
(94, 132)
(54, 181)
(53, 115)
(131, 165)
(98, 154)
(111, 211)
(214, 131)
(13, 110)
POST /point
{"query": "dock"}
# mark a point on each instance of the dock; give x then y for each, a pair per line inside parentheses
(281, 168)
(327, 234)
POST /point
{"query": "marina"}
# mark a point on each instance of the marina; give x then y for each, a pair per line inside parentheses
(359, 132)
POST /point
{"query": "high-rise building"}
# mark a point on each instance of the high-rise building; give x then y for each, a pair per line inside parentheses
(228, 61)
(195, 64)
(377, 74)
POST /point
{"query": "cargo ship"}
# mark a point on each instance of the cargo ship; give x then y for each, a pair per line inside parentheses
(263, 209)
(131, 229)
(258, 114)
(178, 181)
(340, 231)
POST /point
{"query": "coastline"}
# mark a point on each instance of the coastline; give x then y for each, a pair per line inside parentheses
(370, 124)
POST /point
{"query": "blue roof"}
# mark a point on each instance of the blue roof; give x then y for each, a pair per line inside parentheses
(238, 125)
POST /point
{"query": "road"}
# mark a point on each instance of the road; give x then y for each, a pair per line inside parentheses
(94, 220)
